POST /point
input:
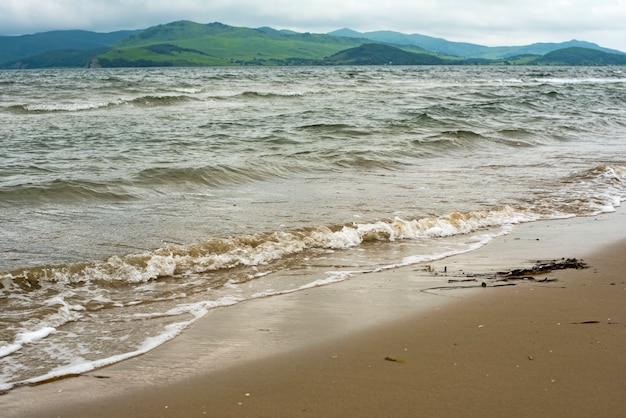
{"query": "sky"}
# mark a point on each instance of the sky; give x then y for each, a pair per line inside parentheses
(484, 22)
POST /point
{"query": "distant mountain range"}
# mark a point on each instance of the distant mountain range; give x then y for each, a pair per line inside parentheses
(467, 50)
(186, 43)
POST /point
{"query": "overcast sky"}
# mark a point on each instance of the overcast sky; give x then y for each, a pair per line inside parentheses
(485, 22)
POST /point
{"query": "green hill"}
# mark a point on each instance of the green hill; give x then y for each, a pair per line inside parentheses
(157, 55)
(225, 45)
(380, 54)
(580, 56)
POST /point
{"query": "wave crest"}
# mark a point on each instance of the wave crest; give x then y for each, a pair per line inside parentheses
(82, 106)
(265, 248)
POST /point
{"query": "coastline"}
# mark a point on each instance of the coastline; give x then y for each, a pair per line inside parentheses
(517, 350)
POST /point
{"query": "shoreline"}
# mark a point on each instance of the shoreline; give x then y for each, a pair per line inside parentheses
(321, 352)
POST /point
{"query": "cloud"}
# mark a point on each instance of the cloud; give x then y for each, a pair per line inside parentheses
(490, 22)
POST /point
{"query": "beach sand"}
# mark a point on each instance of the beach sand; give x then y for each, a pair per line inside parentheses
(376, 349)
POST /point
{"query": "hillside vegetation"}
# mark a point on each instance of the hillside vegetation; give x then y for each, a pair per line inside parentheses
(226, 45)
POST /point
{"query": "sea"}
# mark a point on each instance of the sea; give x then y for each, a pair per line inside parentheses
(135, 201)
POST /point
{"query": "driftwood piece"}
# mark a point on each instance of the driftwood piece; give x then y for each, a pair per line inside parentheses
(543, 267)
(461, 280)
(504, 278)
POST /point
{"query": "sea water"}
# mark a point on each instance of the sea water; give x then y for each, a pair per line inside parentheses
(133, 201)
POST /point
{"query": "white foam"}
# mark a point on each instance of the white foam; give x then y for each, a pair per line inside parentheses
(479, 242)
(79, 365)
(33, 336)
(189, 90)
(24, 338)
(9, 349)
(69, 107)
(589, 80)
(333, 277)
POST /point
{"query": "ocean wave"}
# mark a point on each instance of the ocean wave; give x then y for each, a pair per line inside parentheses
(450, 140)
(596, 190)
(151, 181)
(164, 100)
(590, 80)
(365, 162)
(593, 191)
(264, 248)
(332, 129)
(212, 175)
(38, 108)
(268, 95)
(471, 140)
(519, 138)
(24, 338)
(420, 122)
(62, 191)
(600, 189)
(82, 106)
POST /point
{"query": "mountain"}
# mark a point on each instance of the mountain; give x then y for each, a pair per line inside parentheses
(13, 48)
(459, 49)
(381, 54)
(580, 56)
(186, 43)
(466, 50)
(228, 45)
(64, 58)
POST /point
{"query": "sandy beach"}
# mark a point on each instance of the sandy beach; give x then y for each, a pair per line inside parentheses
(521, 348)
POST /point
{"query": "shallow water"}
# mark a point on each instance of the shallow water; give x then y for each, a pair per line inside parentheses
(134, 200)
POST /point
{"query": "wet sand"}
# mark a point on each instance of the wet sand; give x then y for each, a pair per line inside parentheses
(553, 348)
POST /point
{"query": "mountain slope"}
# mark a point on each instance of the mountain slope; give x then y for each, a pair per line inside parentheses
(459, 49)
(234, 45)
(580, 56)
(13, 48)
(381, 54)
(466, 50)
(70, 58)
